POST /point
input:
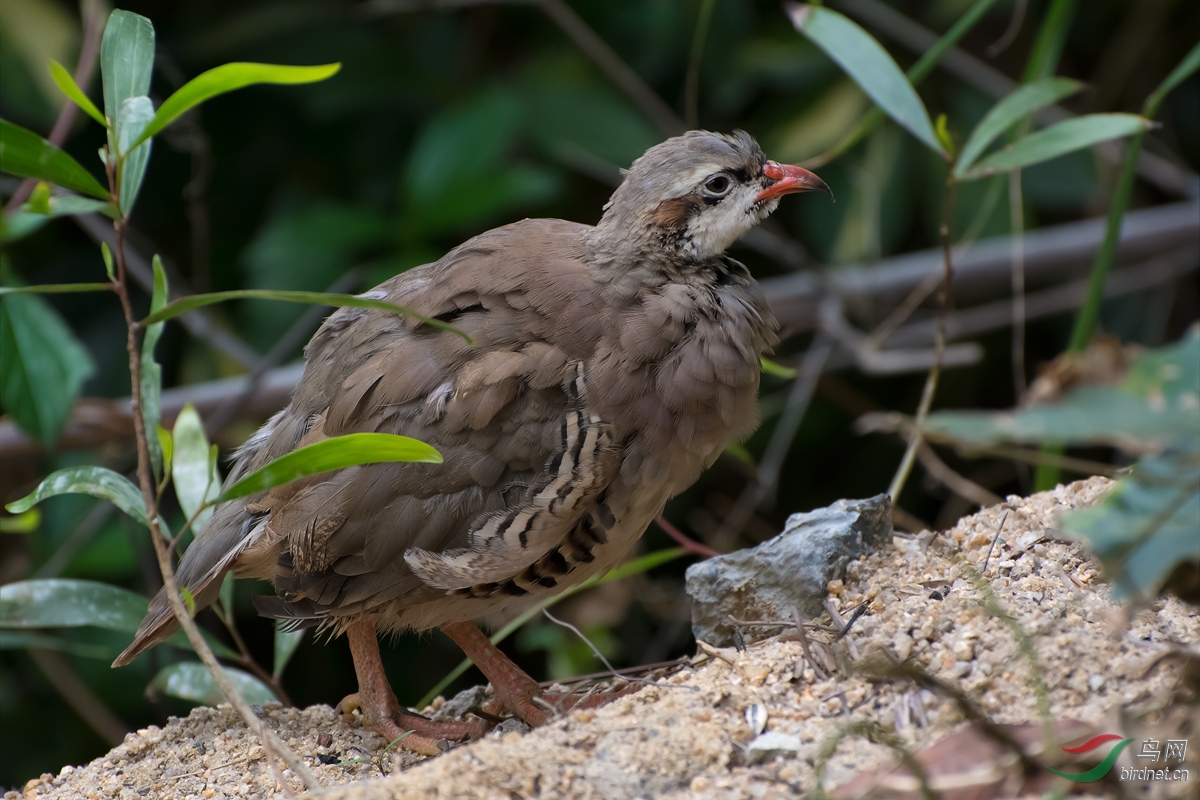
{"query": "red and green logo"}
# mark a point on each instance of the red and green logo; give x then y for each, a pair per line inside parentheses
(1100, 770)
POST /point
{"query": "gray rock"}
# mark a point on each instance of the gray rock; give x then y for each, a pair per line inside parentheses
(790, 571)
(511, 725)
(459, 706)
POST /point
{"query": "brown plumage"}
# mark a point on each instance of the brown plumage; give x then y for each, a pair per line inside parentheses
(611, 365)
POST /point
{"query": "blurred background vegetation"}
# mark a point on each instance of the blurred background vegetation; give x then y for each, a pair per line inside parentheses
(452, 117)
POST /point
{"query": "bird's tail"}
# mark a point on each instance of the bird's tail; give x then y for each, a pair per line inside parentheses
(201, 570)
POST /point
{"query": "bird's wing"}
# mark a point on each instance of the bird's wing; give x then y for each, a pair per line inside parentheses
(523, 456)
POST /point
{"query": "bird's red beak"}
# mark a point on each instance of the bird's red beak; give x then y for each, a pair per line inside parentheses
(790, 179)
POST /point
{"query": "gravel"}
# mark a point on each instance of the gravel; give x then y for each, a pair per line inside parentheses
(931, 601)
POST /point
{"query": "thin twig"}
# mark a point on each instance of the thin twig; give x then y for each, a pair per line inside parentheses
(614, 66)
(684, 541)
(1010, 33)
(995, 539)
(161, 548)
(939, 345)
(595, 651)
(843, 627)
(956, 483)
(818, 670)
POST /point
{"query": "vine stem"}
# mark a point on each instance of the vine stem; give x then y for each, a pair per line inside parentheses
(162, 548)
(939, 344)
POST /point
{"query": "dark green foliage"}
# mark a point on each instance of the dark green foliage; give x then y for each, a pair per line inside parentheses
(444, 123)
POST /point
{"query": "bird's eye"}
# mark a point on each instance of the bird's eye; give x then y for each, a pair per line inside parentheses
(718, 185)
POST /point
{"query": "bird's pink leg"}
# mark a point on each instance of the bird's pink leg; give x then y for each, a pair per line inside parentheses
(381, 711)
(514, 688)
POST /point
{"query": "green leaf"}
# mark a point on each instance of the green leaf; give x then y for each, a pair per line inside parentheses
(185, 304)
(1147, 525)
(39, 199)
(334, 453)
(97, 481)
(191, 681)
(643, 563)
(25, 154)
(286, 642)
(166, 447)
(227, 78)
(42, 366)
(65, 82)
(776, 369)
(22, 523)
(1011, 110)
(1057, 140)
(1157, 402)
(65, 603)
(66, 205)
(151, 382)
(869, 65)
(1182, 71)
(56, 288)
(126, 60)
(197, 481)
(106, 254)
(19, 224)
(132, 120)
(10, 640)
(189, 600)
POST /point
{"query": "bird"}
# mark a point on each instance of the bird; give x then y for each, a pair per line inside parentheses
(609, 366)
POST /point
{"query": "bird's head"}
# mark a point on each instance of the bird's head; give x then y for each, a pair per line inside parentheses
(695, 194)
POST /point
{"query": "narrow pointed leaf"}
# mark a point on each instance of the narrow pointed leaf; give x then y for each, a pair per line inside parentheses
(228, 78)
(335, 453)
(185, 304)
(10, 640)
(56, 288)
(106, 257)
(126, 59)
(1058, 140)
(132, 119)
(64, 603)
(151, 382)
(1184, 70)
(67, 84)
(68, 205)
(1011, 110)
(67, 603)
(25, 154)
(191, 681)
(869, 65)
(196, 479)
(96, 481)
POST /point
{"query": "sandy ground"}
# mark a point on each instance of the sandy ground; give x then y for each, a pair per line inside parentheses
(929, 605)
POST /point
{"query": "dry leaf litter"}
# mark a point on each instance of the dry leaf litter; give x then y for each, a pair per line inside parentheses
(689, 734)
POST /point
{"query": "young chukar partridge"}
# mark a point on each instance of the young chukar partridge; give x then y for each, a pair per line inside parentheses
(610, 366)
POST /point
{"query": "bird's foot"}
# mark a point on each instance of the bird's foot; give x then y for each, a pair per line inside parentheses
(408, 731)
(515, 691)
(537, 707)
